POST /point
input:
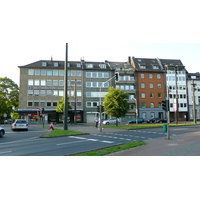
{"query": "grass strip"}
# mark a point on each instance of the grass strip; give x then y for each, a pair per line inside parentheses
(61, 132)
(106, 151)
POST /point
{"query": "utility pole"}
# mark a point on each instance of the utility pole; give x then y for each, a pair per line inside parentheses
(194, 102)
(65, 90)
(75, 103)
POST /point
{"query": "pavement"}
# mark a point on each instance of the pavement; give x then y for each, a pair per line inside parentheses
(187, 144)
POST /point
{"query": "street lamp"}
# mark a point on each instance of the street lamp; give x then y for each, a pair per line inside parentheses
(136, 109)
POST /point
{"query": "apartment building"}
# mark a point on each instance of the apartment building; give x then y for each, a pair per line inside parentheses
(194, 95)
(176, 82)
(151, 87)
(144, 79)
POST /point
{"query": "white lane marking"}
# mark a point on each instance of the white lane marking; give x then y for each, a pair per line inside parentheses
(5, 152)
(149, 138)
(92, 140)
(137, 136)
(107, 141)
(142, 137)
(71, 142)
(81, 138)
(128, 139)
(121, 138)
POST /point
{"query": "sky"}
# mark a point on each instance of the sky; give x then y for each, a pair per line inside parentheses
(98, 31)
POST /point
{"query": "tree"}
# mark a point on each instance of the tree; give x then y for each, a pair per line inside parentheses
(115, 103)
(60, 107)
(9, 96)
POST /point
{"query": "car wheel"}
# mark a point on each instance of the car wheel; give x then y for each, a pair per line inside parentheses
(1, 133)
(107, 123)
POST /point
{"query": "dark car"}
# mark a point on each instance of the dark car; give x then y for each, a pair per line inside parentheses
(164, 120)
(139, 120)
(154, 120)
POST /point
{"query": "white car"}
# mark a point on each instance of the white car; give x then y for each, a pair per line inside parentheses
(110, 121)
(2, 132)
(20, 124)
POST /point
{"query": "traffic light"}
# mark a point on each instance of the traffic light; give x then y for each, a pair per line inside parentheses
(117, 76)
(98, 110)
(102, 108)
(165, 105)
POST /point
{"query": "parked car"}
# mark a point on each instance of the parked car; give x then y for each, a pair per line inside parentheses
(2, 132)
(139, 120)
(154, 120)
(19, 124)
(110, 121)
(164, 120)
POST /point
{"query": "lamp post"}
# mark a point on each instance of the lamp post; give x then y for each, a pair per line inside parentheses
(136, 109)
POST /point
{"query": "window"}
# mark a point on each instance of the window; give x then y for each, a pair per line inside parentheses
(37, 82)
(78, 73)
(37, 72)
(43, 72)
(143, 105)
(78, 64)
(43, 82)
(42, 104)
(31, 72)
(155, 67)
(36, 104)
(49, 93)
(48, 103)
(103, 66)
(158, 76)
(159, 95)
(30, 82)
(89, 65)
(61, 82)
(143, 66)
(30, 92)
(55, 72)
(144, 115)
(142, 85)
(55, 64)
(150, 85)
(151, 95)
(30, 104)
(73, 73)
(44, 64)
(55, 92)
(55, 103)
(143, 95)
(55, 82)
(49, 82)
(159, 85)
(150, 75)
(61, 93)
(49, 72)
(36, 92)
(151, 105)
(61, 72)
(42, 92)
(141, 75)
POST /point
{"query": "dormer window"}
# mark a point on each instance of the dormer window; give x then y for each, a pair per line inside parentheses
(44, 64)
(155, 67)
(103, 66)
(55, 64)
(89, 65)
(78, 64)
(143, 66)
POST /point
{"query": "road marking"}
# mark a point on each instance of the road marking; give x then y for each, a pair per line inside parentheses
(81, 138)
(121, 138)
(24, 140)
(149, 138)
(128, 139)
(92, 140)
(70, 142)
(107, 141)
(5, 152)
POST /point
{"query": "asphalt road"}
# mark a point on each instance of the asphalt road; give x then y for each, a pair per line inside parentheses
(28, 143)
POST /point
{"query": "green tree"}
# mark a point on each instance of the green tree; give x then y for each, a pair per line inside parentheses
(60, 107)
(9, 96)
(115, 103)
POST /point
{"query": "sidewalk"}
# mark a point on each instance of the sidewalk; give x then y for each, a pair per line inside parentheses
(181, 145)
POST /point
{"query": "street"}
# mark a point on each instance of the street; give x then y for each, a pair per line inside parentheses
(28, 143)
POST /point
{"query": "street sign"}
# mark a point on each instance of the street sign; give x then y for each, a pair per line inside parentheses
(175, 107)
